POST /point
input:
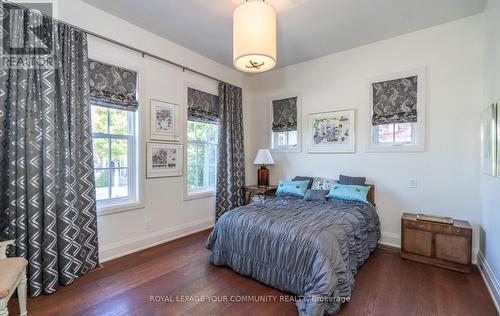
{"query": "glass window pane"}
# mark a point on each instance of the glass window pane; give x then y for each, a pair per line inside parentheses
(118, 122)
(403, 133)
(99, 116)
(201, 165)
(119, 153)
(292, 138)
(281, 139)
(385, 133)
(101, 152)
(191, 127)
(102, 184)
(119, 183)
(191, 165)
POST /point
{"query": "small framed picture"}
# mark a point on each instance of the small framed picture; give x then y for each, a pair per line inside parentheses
(488, 140)
(332, 132)
(164, 121)
(164, 160)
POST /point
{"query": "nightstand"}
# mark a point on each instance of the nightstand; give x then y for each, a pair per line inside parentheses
(442, 245)
(265, 191)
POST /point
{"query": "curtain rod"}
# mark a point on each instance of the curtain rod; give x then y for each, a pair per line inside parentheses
(105, 38)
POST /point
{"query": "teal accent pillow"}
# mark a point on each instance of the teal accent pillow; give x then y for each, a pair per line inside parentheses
(349, 192)
(295, 188)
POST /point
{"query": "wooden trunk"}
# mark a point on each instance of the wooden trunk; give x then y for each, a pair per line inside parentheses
(442, 245)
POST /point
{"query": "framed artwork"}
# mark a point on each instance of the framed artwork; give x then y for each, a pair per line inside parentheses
(488, 140)
(164, 160)
(498, 138)
(164, 121)
(332, 132)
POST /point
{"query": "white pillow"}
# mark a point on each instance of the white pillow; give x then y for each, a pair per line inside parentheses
(322, 184)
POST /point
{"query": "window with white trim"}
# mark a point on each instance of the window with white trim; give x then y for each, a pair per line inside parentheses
(398, 104)
(115, 163)
(394, 134)
(202, 151)
(285, 124)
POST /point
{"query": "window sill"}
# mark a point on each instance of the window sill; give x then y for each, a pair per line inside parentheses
(118, 208)
(286, 149)
(198, 195)
(395, 148)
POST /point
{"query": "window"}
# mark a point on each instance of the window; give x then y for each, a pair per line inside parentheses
(285, 124)
(285, 139)
(114, 140)
(398, 106)
(202, 150)
(394, 134)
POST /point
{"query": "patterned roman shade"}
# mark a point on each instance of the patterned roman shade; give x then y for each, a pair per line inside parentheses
(285, 115)
(203, 106)
(395, 101)
(113, 87)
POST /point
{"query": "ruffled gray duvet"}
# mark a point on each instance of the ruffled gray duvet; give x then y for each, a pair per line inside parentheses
(309, 249)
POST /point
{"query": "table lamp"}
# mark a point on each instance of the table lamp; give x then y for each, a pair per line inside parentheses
(263, 158)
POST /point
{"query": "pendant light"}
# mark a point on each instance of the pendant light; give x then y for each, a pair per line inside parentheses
(254, 37)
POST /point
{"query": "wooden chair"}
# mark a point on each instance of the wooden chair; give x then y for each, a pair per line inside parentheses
(12, 276)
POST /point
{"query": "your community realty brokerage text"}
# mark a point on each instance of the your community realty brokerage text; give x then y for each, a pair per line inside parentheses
(238, 298)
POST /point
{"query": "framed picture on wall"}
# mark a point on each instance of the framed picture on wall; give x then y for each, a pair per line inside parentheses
(332, 132)
(164, 120)
(498, 138)
(488, 140)
(164, 160)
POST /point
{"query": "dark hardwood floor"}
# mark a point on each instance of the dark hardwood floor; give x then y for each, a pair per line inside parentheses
(385, 285)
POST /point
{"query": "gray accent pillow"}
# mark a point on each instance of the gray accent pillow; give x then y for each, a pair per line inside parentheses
(316, 195)
(299, 178)
(352, 180)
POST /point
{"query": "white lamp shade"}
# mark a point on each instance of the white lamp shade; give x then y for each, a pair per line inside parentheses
(263, 157)
(254, 37)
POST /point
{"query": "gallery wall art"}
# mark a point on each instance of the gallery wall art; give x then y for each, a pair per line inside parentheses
(164, 120)
(332, 132)
(489, 140)
(164, 160)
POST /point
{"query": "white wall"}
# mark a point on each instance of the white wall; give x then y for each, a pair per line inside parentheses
(447, 172)
(490, 186)
(170, 216)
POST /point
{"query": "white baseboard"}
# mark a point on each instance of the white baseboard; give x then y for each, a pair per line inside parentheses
(490, 279)
(128, 246)
(390, 239)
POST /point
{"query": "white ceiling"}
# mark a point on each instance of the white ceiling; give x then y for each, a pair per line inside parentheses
(306, 28)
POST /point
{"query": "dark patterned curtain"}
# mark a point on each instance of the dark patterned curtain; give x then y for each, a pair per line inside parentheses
(203, 107)
(285, 115)
(395, 101)
(231, 165)
(47, 192)
(113, 87)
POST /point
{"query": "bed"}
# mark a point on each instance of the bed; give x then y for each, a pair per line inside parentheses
(310, 249)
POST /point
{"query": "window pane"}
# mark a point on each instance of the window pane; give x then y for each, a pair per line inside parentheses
(403, 133)
(386, 133)
(119, 183)
(101, 152)
(201, 165)
(99, 119)
(191, 128)
(292, 138)
(191, 165)
(212, 133)
(102, 184)
(118, 122)
(282, 139)
(119, 153)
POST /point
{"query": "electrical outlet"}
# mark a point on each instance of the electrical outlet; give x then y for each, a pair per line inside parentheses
(412, 183)
(147, 223)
